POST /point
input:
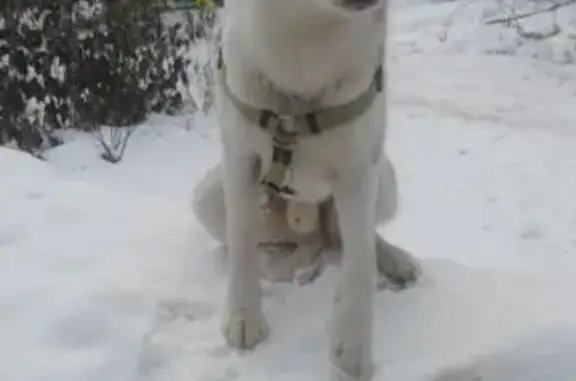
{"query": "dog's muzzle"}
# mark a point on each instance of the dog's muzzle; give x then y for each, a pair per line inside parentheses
(358, 4)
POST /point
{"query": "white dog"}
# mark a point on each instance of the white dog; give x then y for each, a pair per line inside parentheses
(302, 113)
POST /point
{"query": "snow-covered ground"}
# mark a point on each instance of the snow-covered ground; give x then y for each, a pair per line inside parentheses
(105, 275)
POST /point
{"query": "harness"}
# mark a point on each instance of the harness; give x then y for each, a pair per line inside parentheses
(286, 129)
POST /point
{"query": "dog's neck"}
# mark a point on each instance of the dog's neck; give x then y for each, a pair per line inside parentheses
(297, 61)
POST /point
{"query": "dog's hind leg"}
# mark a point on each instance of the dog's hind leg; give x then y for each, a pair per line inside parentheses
(355, 194)
(399, 268)
(397, 265)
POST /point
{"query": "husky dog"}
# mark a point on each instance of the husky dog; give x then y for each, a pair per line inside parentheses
(302, 111)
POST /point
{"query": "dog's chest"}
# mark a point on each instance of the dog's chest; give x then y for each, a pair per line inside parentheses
(307, 174)
(310, 184)
(317, 161)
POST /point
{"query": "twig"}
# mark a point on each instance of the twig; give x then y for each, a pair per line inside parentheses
(509, 19)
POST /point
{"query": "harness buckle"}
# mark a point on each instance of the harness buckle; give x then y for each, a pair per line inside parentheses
(284, 130)
(284, 135)
(287, 123)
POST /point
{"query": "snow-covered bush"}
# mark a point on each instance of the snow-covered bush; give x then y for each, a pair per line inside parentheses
(86, 63)
(203, 24)
(33, 97)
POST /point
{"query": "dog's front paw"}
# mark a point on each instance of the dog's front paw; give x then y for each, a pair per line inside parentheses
(245, 328)
(400, 269)
(350, 361)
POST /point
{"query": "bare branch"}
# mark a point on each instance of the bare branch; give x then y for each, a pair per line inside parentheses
(510, 19)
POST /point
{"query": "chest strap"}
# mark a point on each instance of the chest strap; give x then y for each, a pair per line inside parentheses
(286, 129)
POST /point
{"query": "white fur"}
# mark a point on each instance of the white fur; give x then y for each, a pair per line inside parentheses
(294, 53)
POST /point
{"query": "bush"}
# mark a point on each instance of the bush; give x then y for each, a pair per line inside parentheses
(86, 63)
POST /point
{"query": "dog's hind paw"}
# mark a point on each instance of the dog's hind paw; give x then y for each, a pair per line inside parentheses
(399, 268)
(244, 329)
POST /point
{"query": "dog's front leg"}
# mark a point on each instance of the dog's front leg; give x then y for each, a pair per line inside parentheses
(351, 337)
(244, 325)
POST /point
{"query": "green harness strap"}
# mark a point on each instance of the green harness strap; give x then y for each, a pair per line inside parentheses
(286, 129)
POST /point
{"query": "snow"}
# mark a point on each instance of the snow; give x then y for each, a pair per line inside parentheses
(105, 274)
